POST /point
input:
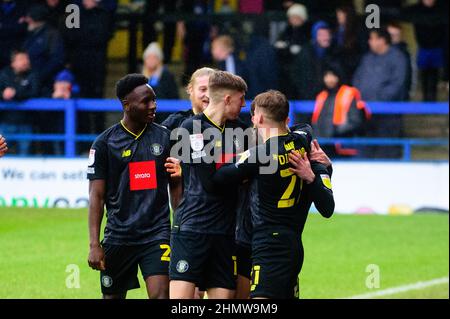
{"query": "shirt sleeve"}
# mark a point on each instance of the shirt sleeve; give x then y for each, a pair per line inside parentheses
(98, 160)
(193, 154)
(320, 190)
(171, 122)
(246, 167)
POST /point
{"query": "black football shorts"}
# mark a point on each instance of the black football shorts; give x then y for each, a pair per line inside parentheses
(244, 260)
(204, 259)
(122, 262)
(277, 257)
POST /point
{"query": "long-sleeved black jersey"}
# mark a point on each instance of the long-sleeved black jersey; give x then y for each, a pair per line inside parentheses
(279, 198)
(205, 207)
(175, 120)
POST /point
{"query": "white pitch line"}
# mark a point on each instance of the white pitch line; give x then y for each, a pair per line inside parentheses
(395, 290)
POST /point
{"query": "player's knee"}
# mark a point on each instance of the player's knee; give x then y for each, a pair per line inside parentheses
(159, 292)
(116, 296)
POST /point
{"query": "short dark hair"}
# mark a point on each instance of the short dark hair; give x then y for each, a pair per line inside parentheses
(382, 33)
(16, 52)
(335, 68)
(38, 12)
(395, 25)
(222, 80)
(128, 83)
(226, 80)
(274, 103)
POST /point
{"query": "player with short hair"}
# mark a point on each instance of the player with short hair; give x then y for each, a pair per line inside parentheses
(276, 198)
(203, 230)
(126, 174)
(197, 89)
(243, 217)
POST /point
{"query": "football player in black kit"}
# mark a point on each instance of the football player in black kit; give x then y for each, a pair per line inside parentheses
(127, 176)
(197, 89)
(279, 200)
(203, 230)
(243, 217)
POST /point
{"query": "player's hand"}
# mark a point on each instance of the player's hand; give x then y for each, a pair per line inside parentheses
(173, 167)
(96, 259)
(301, 166)
(3, 146)
(318, 155)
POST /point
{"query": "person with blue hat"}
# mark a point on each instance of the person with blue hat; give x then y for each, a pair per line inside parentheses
(65, 86)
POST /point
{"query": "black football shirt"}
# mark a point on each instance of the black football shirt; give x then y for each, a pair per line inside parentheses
(205, 208)
(175, 120)
(275, 198)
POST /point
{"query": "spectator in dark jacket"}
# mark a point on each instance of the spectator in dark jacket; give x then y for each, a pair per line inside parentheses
(395, 30)
(56, 13)
(12, 32)
(159, 77)
(18, 82)
(196, 35)
(87, 47)
(349, 39)
(222, 50)
(430, 36)
(44, 46)
(381, 76)
(151, 9)
(261, 64)
(290, 43)
(307, 69)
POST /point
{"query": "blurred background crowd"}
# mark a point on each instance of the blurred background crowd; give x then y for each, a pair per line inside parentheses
(312, 50)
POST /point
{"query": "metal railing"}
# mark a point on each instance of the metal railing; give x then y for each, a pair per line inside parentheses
(71, 107)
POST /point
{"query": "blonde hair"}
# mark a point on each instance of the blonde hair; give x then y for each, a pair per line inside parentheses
(205, 71)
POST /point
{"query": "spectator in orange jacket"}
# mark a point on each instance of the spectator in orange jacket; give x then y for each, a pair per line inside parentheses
(339, 112)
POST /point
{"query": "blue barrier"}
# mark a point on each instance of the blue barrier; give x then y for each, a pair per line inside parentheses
(70, 108)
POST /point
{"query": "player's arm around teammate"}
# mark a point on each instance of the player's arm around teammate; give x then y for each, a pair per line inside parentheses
(202, 236)
(316, 174)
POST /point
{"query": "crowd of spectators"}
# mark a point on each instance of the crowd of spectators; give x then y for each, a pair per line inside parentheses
(41, 57)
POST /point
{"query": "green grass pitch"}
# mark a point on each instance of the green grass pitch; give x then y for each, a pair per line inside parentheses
(37, 245)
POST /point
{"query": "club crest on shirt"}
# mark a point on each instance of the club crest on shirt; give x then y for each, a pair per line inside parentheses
(156, 149)
(242, 157)
(236, 142)
(198, 154)
(326, 180)
(91, 159)
(197, 143)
